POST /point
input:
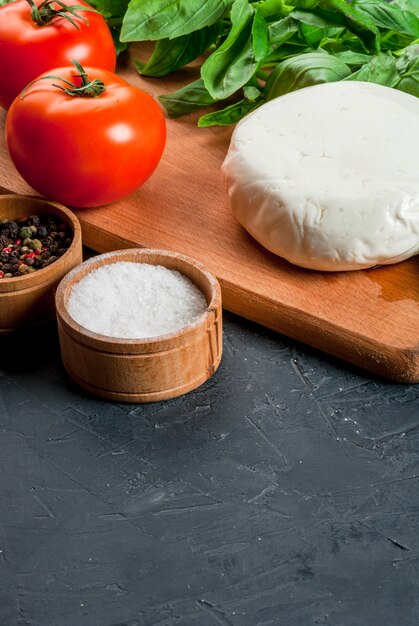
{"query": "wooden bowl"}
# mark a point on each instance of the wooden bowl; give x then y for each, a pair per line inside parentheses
(142, 370)
(27, 301)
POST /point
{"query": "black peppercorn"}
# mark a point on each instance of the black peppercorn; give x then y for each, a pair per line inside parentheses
(42, 232)
(13, 229)
(33, 220)
(29, 244)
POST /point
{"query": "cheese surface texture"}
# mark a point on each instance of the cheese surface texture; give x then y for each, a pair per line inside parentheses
(328, 176)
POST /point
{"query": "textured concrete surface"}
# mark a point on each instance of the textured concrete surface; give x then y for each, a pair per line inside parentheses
(283, 492)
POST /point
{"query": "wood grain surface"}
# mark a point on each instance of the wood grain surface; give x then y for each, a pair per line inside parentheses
(369, 317)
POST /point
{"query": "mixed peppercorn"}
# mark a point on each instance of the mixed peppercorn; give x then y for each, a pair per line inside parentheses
(29, 244)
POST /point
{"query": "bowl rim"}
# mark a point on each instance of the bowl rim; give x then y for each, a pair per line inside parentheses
(18, 283)
(160, 342)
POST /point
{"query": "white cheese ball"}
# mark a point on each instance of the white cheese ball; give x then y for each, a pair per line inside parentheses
(328, 176)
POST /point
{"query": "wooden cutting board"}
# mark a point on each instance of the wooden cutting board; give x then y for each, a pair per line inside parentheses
(370, 317)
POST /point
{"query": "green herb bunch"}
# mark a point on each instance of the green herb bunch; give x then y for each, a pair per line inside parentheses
(257, 50)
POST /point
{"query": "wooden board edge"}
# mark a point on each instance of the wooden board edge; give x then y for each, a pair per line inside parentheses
(393, 363)
(389, 362)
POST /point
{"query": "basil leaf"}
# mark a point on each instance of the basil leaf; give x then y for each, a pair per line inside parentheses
(408, 67)
(407, 5)
(353, 58)
(251, 92)
(381, 70)
(287, 51)
(340, 13)
(170, 54)
(390, 17)
(305, 41)
(187, 99)
(316, 19)
(311, 35)
(357, 22)
(407, 56)
(274, 9)
(306, 4)
(147, 20)
(232, 64)
(282, 30)
(113, 10)
(260, 36)
(120, 46)
(304, 70)
(110, 8)
(229, 115)
(394, 42)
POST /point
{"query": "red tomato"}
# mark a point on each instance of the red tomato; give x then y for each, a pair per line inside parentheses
(85, 151)
(27, 49)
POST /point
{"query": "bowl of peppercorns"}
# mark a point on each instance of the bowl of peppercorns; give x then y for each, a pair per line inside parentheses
(40, 241)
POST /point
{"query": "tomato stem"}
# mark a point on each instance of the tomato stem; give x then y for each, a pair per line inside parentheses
(46, 12)
(87, 89)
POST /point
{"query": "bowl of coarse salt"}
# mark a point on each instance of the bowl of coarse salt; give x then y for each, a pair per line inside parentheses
(140, 325)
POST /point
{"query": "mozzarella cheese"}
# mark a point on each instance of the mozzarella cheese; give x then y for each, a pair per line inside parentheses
(328, 176)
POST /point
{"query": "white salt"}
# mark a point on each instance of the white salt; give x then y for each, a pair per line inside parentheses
(135, 300)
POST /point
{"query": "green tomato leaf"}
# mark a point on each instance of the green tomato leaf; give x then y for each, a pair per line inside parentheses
(408, 67)
(229, 115)
(186, 99)
(171, 54)
(233, 63)
(147, 20)
(381, 70)
(305, 70)
(390, 17)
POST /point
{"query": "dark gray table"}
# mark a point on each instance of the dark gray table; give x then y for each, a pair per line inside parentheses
(283, 492)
